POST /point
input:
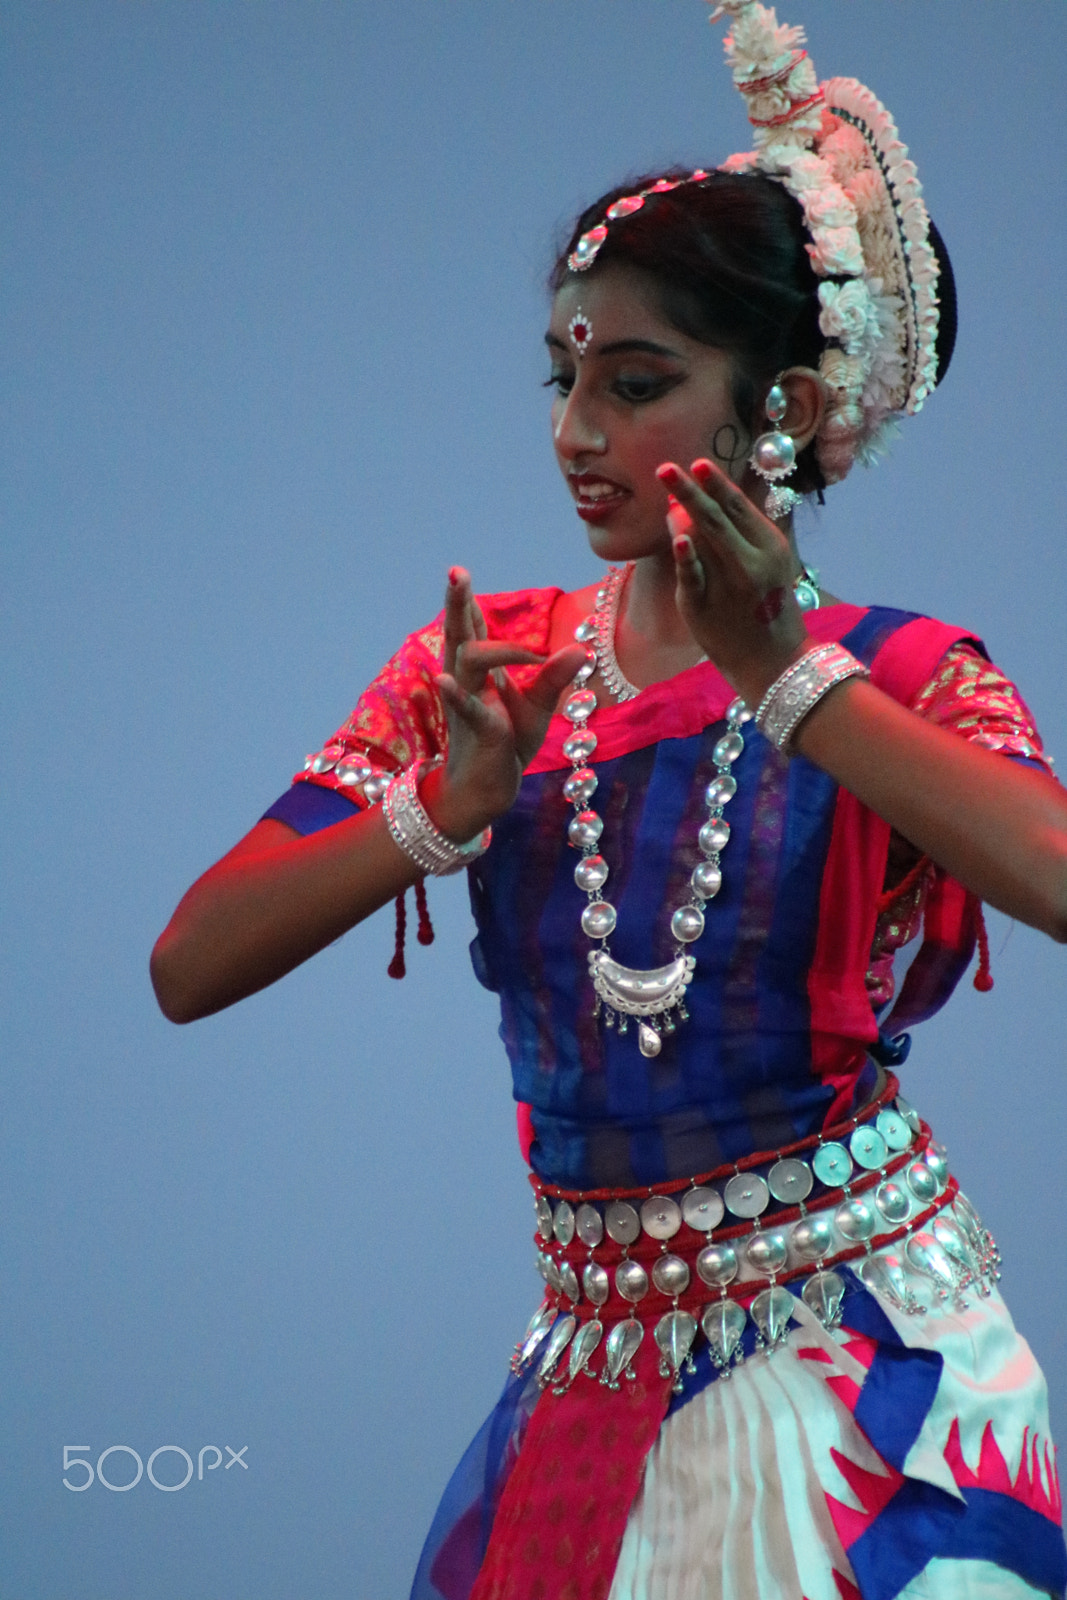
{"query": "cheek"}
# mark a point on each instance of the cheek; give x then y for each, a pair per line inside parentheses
(730, 446)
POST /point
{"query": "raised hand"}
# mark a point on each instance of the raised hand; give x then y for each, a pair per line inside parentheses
(494, 729)
(735, 571)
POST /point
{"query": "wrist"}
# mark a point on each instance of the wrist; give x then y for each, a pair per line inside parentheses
(414, 831)
(800, 688)
(754, 681)
(460, 816)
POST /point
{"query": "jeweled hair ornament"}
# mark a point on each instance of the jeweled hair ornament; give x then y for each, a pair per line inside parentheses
(835, 147)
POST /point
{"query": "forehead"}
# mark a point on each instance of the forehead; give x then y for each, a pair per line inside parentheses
(618, 302)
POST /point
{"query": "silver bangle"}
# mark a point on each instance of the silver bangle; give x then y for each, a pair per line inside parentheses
(801, 687)
(412, 830)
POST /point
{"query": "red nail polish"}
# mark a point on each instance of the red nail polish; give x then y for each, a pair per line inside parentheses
(668, 473)
(702, 470)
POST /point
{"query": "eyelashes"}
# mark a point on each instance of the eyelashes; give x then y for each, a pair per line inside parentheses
(633, 389)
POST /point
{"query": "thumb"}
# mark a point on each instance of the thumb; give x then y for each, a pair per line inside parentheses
(555, 675)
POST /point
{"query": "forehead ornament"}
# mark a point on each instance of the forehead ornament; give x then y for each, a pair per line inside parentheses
(580, 330)
(586, 250)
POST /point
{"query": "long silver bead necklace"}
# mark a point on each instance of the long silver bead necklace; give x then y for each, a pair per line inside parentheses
(654, 995)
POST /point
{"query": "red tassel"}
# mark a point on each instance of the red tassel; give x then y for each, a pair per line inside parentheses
(425, 933)
(983, 978)
(397, 968)
(890, 896)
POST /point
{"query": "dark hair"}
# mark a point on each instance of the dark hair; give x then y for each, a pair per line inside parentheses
(727, 261)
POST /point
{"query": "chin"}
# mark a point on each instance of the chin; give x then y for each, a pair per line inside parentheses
(617, 544)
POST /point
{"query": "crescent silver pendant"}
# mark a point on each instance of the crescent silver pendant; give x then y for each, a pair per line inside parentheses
(636, 991)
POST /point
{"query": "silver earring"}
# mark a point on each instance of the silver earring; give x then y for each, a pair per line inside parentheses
(774, 457)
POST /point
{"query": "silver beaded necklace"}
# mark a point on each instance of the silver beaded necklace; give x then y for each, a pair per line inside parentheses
(654, 995)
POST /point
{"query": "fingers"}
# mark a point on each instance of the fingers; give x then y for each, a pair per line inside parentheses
(688, 568)
(462, 615)
(530, 709)
(466, 706)
(476, 659)
(735, 504)
(554, 676)
(456, 601)
(718, 507)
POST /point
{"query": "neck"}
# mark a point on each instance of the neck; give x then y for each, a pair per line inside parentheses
(649, 616)
(652, 641)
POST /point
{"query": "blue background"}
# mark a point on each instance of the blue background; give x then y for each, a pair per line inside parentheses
(272, 330)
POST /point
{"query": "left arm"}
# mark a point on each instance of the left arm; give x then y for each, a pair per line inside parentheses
(999, 828)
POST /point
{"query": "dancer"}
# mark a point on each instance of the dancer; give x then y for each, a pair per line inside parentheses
(727, 837)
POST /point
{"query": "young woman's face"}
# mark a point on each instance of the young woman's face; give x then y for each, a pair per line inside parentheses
(639, 393)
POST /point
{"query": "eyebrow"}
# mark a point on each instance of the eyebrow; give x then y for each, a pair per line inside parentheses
(646, 347)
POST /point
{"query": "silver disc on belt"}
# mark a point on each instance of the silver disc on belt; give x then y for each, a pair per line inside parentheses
(832, 1164)
(589, 1225)
(936, 1159)
(622, 1222)
(766, 1252)
(813, 1237)
(746, 1195)
(661, 1217)
(909, 1113)
(790, 1181)
(595, 1283)
(568, 1279)
(922, 1182)
(631, 1280)
(702, 1209)
(892, 1201)
(869, 1150)
(563, 1223)
(717, 1265)
(671, 1275)
(855, 1219)
(893, 1128)
(544, 1218)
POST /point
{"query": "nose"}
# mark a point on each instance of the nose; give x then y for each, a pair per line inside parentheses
(574, 428)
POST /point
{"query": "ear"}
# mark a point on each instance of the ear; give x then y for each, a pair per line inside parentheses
(806, 393)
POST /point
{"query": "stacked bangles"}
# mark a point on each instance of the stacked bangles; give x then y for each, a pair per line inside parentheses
(801, 687)
(410, 827)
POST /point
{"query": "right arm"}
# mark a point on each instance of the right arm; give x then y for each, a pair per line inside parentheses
(277, 898)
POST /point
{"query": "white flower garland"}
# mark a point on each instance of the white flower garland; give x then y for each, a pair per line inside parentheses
(836, 149)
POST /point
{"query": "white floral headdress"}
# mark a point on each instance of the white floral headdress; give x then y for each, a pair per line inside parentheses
(835, 148)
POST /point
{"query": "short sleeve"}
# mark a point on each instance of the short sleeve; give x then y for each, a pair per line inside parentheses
(969, 695)
(400, 717)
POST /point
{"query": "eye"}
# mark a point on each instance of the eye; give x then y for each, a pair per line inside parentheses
(561, 380)
(637, 389)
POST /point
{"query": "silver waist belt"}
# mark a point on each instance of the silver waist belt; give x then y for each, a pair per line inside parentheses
(707, 1257)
